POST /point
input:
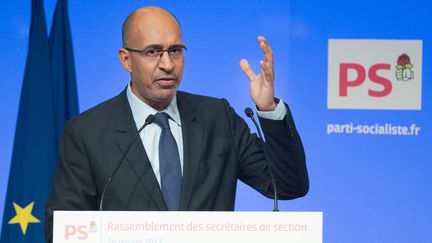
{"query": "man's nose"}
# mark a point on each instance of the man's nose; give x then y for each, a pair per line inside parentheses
(165, 62)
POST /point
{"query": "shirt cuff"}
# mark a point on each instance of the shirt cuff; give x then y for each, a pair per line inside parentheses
(278, 114)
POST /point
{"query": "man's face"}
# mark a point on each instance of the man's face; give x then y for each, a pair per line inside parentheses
(154, 81)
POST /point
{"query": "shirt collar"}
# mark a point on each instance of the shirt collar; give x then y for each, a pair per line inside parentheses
(141, 110)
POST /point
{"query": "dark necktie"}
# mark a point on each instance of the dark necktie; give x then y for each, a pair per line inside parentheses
(169, 163)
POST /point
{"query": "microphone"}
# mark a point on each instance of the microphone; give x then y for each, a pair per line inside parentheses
(150, 119)
(249, 113)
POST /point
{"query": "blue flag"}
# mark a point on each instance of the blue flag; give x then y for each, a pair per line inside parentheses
(63, 66)
(44, 106)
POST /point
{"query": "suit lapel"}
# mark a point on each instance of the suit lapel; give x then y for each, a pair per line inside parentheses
(136, 156)
(192, 142)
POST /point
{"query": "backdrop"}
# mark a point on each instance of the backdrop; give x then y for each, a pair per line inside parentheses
(371, 186)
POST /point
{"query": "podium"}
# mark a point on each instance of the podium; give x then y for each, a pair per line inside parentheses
(186, 227)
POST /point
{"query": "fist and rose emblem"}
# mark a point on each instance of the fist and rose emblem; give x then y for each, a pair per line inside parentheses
(404, 67)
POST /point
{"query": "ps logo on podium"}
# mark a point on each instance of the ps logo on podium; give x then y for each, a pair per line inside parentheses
(79, 232)
(374, 74)
(76, 231)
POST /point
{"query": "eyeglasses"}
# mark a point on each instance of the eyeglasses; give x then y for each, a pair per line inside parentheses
(154, 53)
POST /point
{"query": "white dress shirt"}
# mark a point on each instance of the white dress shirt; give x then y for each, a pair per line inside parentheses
(150, 134)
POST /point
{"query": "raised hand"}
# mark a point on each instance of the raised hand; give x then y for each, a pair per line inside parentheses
(262, 85)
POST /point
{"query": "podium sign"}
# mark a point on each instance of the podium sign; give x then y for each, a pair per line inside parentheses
(186, 227)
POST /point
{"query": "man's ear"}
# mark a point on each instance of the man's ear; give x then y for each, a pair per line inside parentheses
(123, 54)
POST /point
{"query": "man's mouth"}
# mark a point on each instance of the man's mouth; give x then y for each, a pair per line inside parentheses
(166, 82)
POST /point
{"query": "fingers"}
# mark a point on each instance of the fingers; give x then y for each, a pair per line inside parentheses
(265, 47)
(266, 64)
(244, 65)
(267, 70)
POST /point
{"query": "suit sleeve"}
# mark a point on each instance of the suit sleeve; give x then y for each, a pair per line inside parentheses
(73, 185)
(286, 158)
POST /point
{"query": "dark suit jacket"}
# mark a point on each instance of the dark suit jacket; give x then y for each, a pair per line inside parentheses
(218, 150)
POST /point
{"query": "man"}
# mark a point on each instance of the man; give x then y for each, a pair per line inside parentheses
(212, 145)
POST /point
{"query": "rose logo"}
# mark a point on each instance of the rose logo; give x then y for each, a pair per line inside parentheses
(404, 67)
(92, 226)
